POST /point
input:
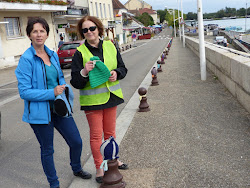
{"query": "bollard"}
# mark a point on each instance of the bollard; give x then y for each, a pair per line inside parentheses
(130, 46)
(154, 77)
(112, 177)
(143, 107)
(159, 69)
(165, 54)
(162, 59)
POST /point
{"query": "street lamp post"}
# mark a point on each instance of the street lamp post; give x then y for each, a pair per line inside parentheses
(246, 19)
(174, 23)
(179, 20)
(183, 34)
(172, 12)
(201, 41)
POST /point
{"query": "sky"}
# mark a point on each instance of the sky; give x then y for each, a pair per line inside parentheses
(208, 6)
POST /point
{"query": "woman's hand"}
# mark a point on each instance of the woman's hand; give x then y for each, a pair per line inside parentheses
(113, 76)
(88, 67)
(58, 90)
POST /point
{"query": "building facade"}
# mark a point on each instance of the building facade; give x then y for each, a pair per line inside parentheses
(103, 9)
(66, 21)
(13, 22)
(137, 4)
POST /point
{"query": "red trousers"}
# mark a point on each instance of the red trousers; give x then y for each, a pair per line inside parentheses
(100, 122)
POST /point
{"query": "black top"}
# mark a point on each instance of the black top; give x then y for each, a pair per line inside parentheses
(79, 82)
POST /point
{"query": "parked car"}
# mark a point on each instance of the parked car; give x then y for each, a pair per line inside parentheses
(66, 52)
(219, 40)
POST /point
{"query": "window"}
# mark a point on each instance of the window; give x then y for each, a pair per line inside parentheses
(91, 8)
(101, 10)
(96, 8)
(13, 27)
(104, 10)
(109, 11)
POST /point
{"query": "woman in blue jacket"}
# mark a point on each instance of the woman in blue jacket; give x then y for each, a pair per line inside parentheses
(40, 80)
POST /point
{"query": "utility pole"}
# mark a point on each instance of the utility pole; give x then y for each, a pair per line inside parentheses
(174, 23)
(183, 34)
(201, 41)
(179, 20)
(246, 18)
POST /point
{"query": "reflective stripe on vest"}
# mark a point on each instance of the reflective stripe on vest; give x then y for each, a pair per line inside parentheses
(100, 90)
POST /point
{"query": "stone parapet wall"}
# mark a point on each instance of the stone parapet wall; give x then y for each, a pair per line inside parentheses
(232, 68)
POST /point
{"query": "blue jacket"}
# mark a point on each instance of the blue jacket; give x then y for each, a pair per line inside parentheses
(32, 85)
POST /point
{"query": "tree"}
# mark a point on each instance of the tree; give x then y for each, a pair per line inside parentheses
(169, 18)
(146, 19)
(241, 12)
(191, 16)
(220, 13)
(162, 14)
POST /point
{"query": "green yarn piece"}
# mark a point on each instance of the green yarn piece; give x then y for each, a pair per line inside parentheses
(100, 73)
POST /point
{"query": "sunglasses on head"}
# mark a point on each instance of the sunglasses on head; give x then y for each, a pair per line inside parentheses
(85, 30)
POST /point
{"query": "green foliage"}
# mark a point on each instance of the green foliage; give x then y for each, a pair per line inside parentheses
(162, 14)
(19, 1)
(52, 2)
(170, 20)
(146, 19)
(191, 16)
(227, 12)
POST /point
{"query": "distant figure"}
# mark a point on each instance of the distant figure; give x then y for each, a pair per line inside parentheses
(240, 37)
(60, 42)
(225, 42)
(116, 43)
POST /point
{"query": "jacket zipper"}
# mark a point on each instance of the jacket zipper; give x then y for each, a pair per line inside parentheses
(29, 109)
(45, 85)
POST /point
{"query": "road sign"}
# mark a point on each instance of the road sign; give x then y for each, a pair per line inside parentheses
(133, 36)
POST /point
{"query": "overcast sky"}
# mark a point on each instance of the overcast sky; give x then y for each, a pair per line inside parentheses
(191, 5)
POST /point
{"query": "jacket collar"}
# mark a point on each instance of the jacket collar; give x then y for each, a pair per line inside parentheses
(47, 50)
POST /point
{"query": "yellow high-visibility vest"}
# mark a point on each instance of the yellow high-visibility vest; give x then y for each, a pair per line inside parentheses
(100, 94)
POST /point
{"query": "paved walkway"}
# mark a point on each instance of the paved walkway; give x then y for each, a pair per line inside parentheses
(196, 134)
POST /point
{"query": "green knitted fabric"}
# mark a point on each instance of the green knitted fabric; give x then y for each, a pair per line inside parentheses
(100, 73)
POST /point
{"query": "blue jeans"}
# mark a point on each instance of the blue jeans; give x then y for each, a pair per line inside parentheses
(45, 133)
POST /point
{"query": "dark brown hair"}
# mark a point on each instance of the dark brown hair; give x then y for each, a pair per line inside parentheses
(93, 19)
(35, 20)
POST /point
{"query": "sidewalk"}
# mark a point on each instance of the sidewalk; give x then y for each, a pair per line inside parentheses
(7, 75)
(196, 134)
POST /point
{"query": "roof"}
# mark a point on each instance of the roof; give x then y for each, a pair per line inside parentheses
(147, 10)
(118, 5)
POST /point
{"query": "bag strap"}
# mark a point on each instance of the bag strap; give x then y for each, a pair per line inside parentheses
(67, 97)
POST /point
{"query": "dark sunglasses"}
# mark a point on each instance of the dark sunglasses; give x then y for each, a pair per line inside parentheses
(85, 30)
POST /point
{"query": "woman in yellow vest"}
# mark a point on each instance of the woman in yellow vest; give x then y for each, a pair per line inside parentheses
(99, 102)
